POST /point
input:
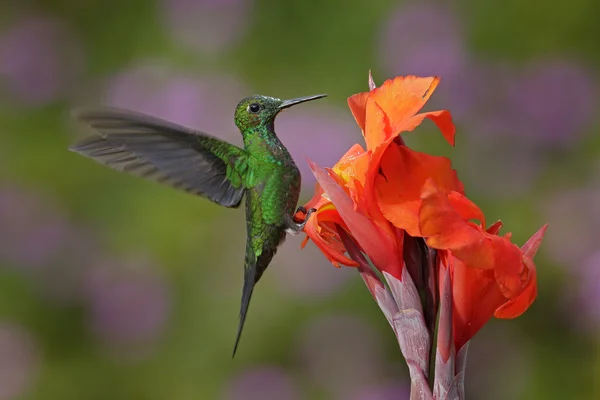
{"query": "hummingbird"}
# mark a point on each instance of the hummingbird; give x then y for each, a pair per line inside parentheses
(200, 164)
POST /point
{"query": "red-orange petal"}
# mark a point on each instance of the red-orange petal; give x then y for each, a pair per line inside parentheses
(466, 208)
(358, 106)
(444, 228)
(377, 128)
(531, 247)
(405, 172)
(325, 237)
(375, 242)
(402, 97)
(443, 120)
(494, 229)
(517, 306)
(476, 297)
(510, 271)
(353, 165)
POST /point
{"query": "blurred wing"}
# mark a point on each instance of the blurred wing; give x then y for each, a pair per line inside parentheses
(165, 152)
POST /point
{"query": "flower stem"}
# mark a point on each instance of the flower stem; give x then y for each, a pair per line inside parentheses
(432, 351)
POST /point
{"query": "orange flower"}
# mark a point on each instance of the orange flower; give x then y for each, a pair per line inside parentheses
(490, 275)
(381, 114)
(404, 208)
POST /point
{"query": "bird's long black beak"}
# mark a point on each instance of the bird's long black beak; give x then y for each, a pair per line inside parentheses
(292, 102)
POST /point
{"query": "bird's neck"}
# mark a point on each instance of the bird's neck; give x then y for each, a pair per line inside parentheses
(263, 143)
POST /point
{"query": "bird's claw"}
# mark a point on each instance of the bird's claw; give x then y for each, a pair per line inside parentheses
(300, 209)
(306, 218)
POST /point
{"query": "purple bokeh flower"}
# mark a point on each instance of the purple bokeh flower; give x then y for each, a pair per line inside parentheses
(497, 175)
(319, 132)
(18, 361)
(39, 59)
(129, 303)
(262, 383)
(555, 101)
(342, 354)
(384, 392)
(207, 26)
(37, 238)
(510, 354)
(479, 98)
(423, 38)
(32, 230)
(584, 295)
(577, 213)
(546, 104)
(306, 274)
(426, 39)
(206, 103)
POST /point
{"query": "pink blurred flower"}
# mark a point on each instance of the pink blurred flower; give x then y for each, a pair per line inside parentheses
(587, 291)
(128, 302)
(385, 392)
(423, 39)
(510, 353)
(40, 59)
(555, 100)
(577, 213)
(262, 383)
(426, 39)
(18, 361)
(207, 26)
(32, 229)
(495, 176)
(307, 275)
(325, 357)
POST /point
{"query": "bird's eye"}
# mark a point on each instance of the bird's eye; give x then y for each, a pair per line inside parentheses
(254, 107)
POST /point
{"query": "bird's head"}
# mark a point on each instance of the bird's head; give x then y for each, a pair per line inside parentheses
(259, 110)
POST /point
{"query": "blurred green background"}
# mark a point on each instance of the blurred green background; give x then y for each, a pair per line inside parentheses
(116, 288)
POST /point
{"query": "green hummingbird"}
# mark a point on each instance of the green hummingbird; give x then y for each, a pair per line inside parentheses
(203, 165)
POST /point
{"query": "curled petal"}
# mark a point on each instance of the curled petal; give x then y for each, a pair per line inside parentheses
(443, 120)
(353, 166)
(445, 229)
(517, 306)
(476, 298)
(347, 160)
(377, 127)
(404, 173)
(466, 208)
(358, 105)
(510, 270)
(374, 242)
(402, 97)
(494, 229)
(321, 229)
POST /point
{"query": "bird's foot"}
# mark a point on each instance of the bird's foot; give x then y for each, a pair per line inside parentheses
(300, 209)
(293, 227)
(308, 214)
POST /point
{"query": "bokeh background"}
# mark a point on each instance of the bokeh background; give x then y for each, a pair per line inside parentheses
(116, 288)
